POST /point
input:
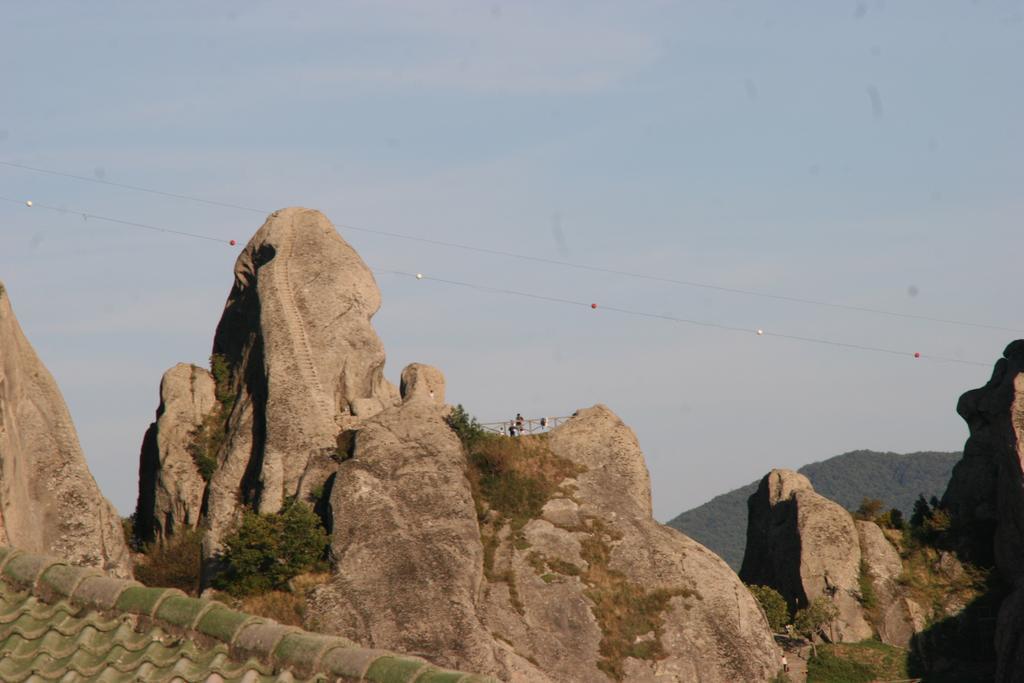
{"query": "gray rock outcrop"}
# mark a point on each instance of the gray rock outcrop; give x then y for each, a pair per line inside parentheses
(537, 602)
(300, 362)
(171, 486)
(805, 546)
(898, 617)
(406, 547)
(985, 496)
(49, 501)
(422, 381)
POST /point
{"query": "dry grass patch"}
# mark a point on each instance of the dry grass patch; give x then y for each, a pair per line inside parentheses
(511, 479)
(516, 476)
(630, 616)
(174, 563)
(284, 606)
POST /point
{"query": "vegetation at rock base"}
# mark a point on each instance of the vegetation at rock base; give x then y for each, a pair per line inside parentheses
(774, 606)
(286, 606)
(816, 619)
(868, 660)
(174, 563)
(266, 551)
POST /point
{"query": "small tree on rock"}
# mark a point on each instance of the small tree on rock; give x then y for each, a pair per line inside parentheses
(811, 621)
(774, 606)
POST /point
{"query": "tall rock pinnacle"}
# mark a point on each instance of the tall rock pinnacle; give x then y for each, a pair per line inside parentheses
(49, 501)
(295, 362)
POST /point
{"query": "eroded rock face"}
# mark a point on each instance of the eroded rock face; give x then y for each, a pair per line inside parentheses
(49, 501)
(805, 546)
(171, 487)
(986, 495)
(407, 550)
(598, 536)
(898, 617)
(302, 359)
(411, 575)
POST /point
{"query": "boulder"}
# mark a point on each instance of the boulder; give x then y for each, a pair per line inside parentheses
(407, 553)
(301, 362)
(171, 486)
(422, 381)
(805, 546)
(49, 501)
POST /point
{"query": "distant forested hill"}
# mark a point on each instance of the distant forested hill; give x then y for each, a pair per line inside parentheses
(894, 478)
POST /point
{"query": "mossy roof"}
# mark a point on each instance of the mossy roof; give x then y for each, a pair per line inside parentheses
(64, 623)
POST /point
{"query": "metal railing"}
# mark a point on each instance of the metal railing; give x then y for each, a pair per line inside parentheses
(533, 425)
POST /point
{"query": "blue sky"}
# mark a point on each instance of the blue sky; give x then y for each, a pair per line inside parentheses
(851, 152)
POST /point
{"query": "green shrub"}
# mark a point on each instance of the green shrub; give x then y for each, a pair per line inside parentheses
(869, 509)
(266, 551)
(867, 588)
(174, 563)
(223, 376)
(466, 426)
(813, 619)
(774, 606)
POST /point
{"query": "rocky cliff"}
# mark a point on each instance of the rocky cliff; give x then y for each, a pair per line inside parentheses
(805, 546)
(49, 502)
(581, 584)
(985, 496)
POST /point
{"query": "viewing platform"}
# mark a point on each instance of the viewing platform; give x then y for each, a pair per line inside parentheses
(533, 425)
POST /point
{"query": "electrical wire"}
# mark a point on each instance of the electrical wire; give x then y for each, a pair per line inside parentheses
(540, 297)
(538, 259)
(86, 215)
(685, 321)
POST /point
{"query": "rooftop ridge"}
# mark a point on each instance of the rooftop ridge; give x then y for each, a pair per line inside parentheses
(209, 623)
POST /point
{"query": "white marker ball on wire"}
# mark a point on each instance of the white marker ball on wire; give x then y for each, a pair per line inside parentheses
(419, 276)
(760, 332)
(28, 203)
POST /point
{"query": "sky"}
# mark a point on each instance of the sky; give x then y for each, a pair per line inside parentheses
(866, 154)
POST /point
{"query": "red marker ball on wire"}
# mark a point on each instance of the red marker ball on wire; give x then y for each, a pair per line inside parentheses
(917, 354)
(232, 243)
(593, 305)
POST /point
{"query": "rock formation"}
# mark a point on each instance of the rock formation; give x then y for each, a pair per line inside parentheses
(579, 583)
(49, 501)
(171, 485)
(406, 547)
(985, 496)
(538, 599)
(295, 361)
(805, 546)
(422, 381)
(897, 617)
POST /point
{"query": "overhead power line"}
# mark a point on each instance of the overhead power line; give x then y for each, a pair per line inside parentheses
(534, 258)
(512, 292)
(86, 215)
(686, 321)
